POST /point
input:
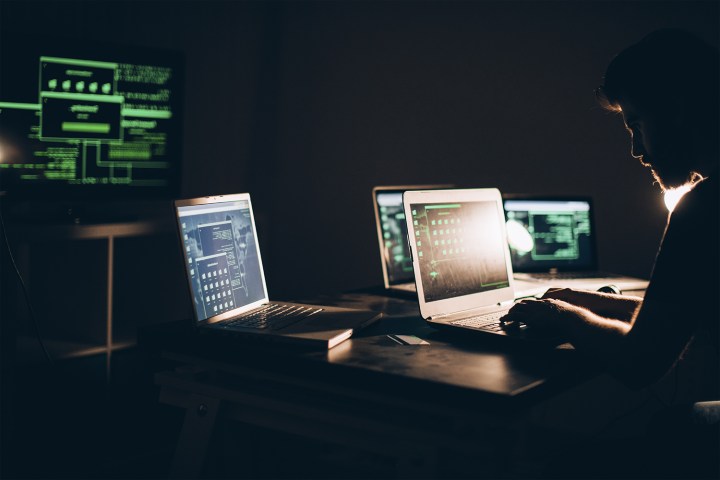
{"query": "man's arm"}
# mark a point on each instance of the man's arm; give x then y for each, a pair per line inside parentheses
(638, 351)
(620, 307)
(596, 335)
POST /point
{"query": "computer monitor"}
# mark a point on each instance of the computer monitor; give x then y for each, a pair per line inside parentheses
(82, 120)
(396, 255)
(550, 233)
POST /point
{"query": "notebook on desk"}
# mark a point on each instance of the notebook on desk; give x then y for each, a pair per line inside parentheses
(225, 274)
(392, 236)
(461, 260)
(553, 241)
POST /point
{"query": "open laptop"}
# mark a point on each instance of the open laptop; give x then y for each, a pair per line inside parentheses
(227, 284)
(392, 236)
(461, 260)
(552, 241)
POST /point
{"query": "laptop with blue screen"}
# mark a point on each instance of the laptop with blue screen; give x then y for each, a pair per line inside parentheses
(227, 283)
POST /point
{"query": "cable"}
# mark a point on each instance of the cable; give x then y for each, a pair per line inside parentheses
(33, 319)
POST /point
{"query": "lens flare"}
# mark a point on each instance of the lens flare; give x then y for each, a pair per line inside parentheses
(518, 237)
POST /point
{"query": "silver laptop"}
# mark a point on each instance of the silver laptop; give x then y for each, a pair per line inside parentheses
(392, 236)
(552, 241)
(460, 258)
(227, 284)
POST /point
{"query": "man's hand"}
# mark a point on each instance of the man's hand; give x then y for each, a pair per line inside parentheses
(578, 324)
(545, 313)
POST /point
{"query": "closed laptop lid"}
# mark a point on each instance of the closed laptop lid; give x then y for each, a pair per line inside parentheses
(222, 258)
(550, 233)
(392, 232)
(459, 249)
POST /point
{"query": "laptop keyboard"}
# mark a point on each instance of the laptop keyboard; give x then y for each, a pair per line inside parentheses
(571, 275)
(272, 315)
(489, 321)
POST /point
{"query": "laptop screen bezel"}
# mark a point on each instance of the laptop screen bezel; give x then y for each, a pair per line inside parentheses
(593, 265)
(464, 302)
(391, 189)
(211, 201)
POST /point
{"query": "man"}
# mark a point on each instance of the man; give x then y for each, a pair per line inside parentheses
(666, 88)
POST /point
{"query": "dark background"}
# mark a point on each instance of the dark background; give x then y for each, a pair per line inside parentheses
(308, 105)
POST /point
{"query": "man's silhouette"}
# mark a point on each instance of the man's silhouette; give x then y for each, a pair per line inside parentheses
(666, 88)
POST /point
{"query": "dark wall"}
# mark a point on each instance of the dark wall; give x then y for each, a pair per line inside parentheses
(309, 105)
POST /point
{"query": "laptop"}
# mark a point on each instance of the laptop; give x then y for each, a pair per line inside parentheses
(391, 229)
(461, 260)
(227, 284)
(552, 241)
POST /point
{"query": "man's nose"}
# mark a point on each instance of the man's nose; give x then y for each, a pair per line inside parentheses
(637, 149)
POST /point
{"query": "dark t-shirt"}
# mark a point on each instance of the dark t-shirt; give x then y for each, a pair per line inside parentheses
(685, 283)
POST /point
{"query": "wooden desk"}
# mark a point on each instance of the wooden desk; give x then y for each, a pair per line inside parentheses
(413, 402)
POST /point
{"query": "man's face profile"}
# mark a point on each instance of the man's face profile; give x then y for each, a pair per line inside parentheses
(657, 143)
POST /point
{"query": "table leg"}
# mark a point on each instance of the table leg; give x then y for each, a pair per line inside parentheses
(109, 297)
(195, 437)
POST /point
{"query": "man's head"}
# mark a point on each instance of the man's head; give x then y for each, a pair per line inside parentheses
(666, 87)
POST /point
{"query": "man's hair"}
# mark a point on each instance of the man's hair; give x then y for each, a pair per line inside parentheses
(665, 66)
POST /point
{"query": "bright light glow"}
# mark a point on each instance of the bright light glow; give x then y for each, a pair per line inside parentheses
(673, 195)
(518, 237)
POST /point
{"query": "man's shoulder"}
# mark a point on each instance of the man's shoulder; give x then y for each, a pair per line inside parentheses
(690, 250)
(701, 205)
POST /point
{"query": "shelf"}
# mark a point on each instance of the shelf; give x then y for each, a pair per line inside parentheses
(29, 351)
(100, 328)
(48, 232)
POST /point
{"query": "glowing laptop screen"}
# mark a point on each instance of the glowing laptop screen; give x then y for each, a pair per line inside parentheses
(549, 234)
(394, 232)
(460, 247)
(222, 257)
